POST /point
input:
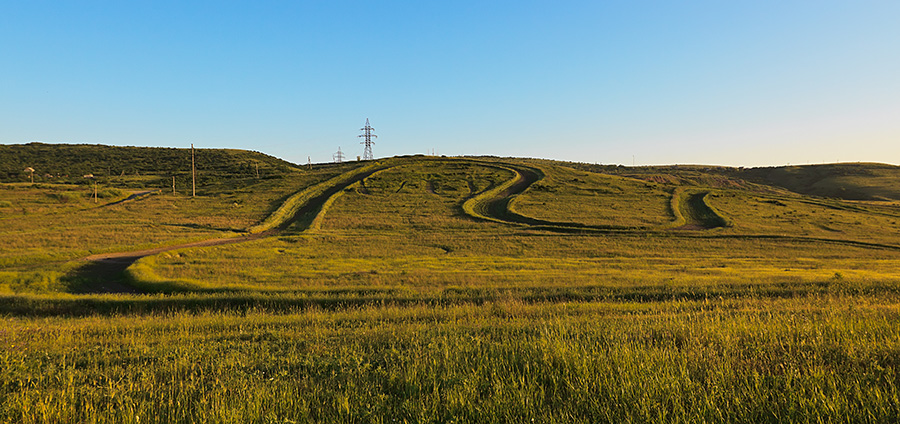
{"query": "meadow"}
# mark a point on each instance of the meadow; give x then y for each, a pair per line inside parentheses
(425, 289)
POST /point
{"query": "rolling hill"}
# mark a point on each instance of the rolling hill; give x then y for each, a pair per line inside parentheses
(443, 289)
(72, 161)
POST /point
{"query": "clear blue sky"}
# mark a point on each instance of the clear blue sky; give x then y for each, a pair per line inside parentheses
(743, 83)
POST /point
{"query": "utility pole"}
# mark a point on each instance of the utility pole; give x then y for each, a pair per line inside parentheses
(309, 162)
(95, 191)
(339, 156)
(193, 174)
(173, 185)
(367, 136)
(257, 170)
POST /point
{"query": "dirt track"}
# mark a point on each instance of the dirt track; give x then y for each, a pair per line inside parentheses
(105, 272)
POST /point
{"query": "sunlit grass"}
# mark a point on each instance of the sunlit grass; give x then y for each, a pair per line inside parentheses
(396, 299)
(820, 359)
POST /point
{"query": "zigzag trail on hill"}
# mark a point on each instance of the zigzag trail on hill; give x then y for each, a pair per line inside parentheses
(300, 212)
(691, 212)
(104, 273)
(693, 215)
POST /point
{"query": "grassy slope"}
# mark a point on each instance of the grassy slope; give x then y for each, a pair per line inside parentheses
(848, 181)
(396, 303)
(69, 163)
(853, 181)
(46, 227)
(404, 229)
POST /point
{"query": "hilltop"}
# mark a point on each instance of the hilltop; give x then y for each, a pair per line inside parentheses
(70, 162)
(849, 181)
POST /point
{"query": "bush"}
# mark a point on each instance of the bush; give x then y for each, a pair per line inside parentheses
(67, 197)
(110, 193)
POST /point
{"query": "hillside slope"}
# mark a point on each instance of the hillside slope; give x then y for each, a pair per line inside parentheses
(53, 161)
(848, 181)
(851, 181)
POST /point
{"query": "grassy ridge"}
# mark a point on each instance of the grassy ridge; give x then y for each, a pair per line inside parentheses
(854, 181)
(54, 162)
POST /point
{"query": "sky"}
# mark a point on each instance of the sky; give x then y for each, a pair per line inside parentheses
(737, 83)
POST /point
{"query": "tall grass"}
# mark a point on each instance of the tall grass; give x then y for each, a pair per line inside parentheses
(795, 360)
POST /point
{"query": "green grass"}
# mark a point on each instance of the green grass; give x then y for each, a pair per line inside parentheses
(47, 226)
(567, 195)
(455, 290)
(820, 359)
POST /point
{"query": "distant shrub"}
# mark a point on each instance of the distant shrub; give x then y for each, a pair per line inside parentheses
(110, 193)
(5, 204)
(67, 197)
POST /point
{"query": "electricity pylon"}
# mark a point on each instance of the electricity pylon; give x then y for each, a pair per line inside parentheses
(367, 133)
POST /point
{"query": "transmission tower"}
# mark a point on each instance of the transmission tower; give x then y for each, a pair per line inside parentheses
(339, 156)
(367, 133)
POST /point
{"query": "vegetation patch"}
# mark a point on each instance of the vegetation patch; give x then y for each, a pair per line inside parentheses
(444, 289)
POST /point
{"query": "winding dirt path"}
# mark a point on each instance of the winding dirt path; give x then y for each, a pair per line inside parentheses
(698, 215)
(105, 272)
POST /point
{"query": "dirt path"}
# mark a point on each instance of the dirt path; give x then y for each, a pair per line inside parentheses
(697, 214)
(105, 273)
(133, 196)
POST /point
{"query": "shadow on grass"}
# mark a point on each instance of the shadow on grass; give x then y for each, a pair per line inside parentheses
(206, 227)
(102, 276)
(344, 299)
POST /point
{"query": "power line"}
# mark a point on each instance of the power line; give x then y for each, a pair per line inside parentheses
(367, 134)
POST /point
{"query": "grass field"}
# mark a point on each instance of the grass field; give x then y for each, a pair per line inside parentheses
(425, 289)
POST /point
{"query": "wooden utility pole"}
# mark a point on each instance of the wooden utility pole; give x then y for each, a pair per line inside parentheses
(173, 185)
(257, 170)
(193, 174)
(95, 192)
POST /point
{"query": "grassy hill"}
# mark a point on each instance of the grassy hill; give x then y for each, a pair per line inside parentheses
(471, 289)
(853, 181)
(850, 181)
(69, 163)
